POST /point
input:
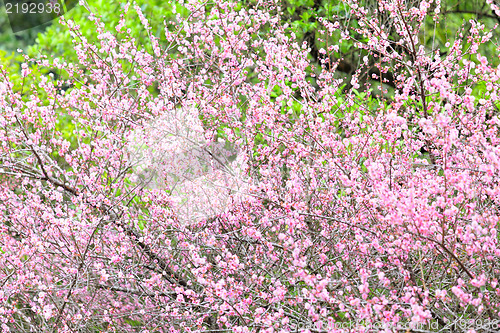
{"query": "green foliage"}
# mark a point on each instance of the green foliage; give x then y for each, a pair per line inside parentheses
(57, 42)
(10, 41)
(10, 63)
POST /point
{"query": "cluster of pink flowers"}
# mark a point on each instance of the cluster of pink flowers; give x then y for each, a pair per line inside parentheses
(354, 207)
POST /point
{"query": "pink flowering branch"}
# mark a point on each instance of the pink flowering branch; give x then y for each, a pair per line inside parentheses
(211, 184)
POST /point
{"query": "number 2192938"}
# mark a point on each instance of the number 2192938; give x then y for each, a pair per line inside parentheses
(33, 8)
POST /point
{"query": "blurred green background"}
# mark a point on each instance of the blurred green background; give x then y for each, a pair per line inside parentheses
(53, 38)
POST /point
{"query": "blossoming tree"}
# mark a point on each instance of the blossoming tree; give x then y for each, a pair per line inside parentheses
(363, 205)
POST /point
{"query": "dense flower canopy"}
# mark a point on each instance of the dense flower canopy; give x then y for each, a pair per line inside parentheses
(334, 208)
